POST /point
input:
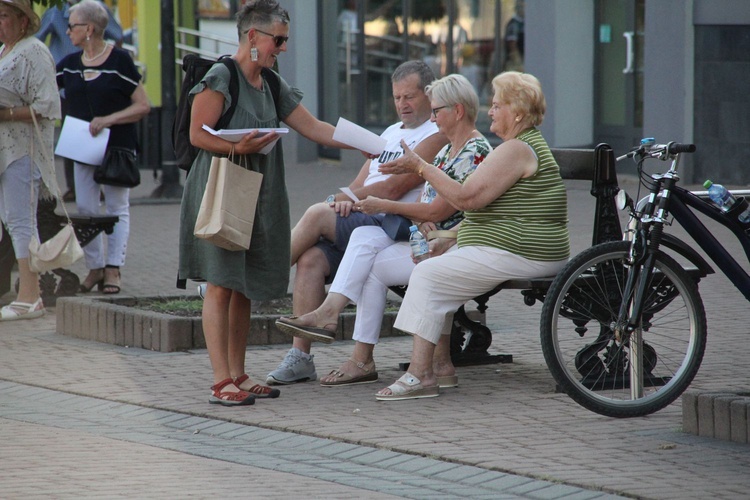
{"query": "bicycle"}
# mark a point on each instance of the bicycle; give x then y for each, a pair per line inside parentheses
(651, 321)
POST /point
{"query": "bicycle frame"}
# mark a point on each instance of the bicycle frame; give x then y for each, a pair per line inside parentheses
(667, 199)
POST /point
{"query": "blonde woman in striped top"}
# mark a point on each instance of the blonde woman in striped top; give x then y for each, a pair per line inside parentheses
(515, 227)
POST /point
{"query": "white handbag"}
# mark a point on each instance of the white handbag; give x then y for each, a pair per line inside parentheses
(63, 249)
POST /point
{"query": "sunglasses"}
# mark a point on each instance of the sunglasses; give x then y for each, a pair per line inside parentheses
(277, 39)
(71, 26)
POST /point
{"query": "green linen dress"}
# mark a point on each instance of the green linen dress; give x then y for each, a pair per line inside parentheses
(262, 271)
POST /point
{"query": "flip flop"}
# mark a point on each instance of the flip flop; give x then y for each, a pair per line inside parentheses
(408, 387)
(288, 325)
(447, 381)
(342, 378)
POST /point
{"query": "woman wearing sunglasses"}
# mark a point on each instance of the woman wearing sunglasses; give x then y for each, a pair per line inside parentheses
(261, 272)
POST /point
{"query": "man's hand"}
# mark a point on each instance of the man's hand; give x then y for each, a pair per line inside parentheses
(371, 205)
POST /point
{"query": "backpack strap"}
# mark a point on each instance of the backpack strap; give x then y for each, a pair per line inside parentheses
(234, 92)
(274, 83)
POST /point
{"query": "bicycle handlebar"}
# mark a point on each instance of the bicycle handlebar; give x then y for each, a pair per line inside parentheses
(656, 150)
(676, 147)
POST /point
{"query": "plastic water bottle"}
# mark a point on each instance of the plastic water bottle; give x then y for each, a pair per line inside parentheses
(744, 217)
(720, 195)
(420, 250)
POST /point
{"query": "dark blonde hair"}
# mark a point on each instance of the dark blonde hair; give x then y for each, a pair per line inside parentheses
(523, 93)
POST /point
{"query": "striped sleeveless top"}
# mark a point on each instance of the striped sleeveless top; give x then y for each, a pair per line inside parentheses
(530, 219)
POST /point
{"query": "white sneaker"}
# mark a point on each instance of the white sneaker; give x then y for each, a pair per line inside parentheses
(202, 290)
(295, 367)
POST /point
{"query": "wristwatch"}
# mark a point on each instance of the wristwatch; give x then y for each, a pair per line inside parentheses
(331, 199)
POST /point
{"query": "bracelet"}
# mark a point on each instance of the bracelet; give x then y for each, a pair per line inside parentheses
(421, 167)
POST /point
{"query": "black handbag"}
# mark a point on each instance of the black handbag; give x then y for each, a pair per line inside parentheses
(119, 168)
(396, 227)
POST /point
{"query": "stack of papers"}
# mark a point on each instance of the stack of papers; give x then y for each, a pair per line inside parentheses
(235, 135)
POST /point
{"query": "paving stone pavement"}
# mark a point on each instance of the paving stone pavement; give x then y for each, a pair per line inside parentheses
(84, 419)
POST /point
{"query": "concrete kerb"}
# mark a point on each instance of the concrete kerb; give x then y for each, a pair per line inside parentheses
(717, 414)
(119, 321)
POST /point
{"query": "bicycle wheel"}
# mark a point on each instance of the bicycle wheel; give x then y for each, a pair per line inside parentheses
(591, 364)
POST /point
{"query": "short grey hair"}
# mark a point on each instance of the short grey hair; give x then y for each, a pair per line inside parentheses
(455, 89)
(260, 13)
(419, 68)
(93, 13)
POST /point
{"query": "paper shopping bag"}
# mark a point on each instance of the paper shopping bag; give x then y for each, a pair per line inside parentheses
(227, 209)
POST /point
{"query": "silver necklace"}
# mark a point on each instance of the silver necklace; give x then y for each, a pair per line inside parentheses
(100, 54)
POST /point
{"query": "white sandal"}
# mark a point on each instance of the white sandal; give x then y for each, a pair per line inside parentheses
(408, 387)
(22, 310)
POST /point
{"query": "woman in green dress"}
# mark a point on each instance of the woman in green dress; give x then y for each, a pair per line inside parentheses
(235, 278)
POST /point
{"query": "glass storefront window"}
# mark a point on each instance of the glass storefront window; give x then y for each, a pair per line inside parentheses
(477, 38)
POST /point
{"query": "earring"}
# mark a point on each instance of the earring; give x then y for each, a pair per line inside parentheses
(88, 38)
(518, 118)
(253, 54)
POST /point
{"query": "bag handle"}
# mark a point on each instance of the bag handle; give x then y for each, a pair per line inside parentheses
(41, 141)
(242, 158)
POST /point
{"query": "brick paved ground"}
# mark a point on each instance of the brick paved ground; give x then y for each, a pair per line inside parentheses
(502, 419)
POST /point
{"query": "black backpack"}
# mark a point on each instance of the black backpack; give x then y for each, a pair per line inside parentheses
(195, 68)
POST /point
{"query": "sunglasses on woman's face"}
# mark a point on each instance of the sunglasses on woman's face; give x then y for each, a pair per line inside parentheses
(277, 39)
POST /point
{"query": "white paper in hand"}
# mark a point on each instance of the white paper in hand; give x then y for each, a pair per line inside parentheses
(77, 143)
(235, 135)
(349, 193)
(357, 137)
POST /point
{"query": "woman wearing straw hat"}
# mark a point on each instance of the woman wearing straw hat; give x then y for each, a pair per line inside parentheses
(27, 85)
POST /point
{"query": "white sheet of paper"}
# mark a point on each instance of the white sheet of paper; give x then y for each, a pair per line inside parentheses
(357, 137)
(349, 193)
(77, 143)
(235, 135)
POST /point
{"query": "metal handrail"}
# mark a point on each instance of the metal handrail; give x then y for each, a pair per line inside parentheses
(182, 48)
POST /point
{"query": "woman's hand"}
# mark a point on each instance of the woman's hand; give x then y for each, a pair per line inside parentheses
(408, 163)
(426, 226)
(439, 246)
(98, 124)
(371, 205)
(252, 143)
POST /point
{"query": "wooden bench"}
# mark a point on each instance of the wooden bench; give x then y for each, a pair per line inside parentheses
(471, 339)
(48, 224)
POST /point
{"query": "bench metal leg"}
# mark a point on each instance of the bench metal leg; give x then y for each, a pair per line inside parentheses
(469, 343)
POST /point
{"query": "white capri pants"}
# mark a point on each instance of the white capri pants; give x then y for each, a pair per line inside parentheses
(440, 285)
(372, 262)
(17, 209)
(116, 202)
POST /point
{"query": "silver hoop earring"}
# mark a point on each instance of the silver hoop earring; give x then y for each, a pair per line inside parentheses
(253, 54)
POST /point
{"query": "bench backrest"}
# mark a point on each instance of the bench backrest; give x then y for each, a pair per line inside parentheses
(598, 166)
(578, 164)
